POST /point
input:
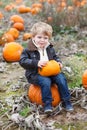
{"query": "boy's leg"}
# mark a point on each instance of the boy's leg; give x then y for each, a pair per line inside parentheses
(61, 82)
(45, 84)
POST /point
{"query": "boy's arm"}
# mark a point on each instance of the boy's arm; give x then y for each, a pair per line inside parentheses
(26, 62)
(56, 57)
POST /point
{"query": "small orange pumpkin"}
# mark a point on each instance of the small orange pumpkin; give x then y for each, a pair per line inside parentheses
(16, 18)
(18, 1)
(27, 36)
(70, 8)
(63, 4)
(14, 32)
(19, 26)
(83, 2)
(38, 5)
(42, 1)
(35, 10)
(35, 96)
(8, 37)
(12, 52)
(51, 68)
(8, 7)
(24, 9)
(84, 79)
(2, 41)
(49, 19)
(1, 15)
(1, 3)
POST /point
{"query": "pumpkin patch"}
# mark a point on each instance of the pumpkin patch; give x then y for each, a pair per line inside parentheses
(69, 21)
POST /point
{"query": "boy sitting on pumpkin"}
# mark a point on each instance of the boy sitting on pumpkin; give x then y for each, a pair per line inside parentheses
(38, 53)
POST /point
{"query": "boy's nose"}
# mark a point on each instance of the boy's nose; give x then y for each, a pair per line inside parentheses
(42, 39)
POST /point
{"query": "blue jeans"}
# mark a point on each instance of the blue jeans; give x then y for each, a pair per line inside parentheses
(45, 84)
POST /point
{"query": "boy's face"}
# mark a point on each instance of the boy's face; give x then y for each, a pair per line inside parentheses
(41, 40)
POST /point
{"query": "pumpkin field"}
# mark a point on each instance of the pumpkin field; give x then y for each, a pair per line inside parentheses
(21, 103)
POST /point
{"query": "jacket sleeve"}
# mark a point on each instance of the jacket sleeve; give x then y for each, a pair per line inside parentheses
(26, 62)
(55, 56)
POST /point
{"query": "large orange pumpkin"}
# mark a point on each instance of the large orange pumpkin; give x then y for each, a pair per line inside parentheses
(84, 79)
(35, 95)
(51, 68)
(12, 51)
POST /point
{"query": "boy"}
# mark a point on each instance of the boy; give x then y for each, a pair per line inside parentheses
(39, 51)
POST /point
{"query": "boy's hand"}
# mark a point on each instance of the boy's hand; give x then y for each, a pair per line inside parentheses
(42, 63)
(61, 66)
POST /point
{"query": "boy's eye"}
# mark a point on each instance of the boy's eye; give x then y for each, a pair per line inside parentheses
(45, 37)
(39, 37)
(42, 37)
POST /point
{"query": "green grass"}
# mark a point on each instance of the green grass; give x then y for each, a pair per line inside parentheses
(5, 2)
(24, 44)
(78, 64)
(25, 111)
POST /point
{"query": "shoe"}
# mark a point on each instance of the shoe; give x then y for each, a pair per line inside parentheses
(68, 106)
(48, 111)
(48, 108)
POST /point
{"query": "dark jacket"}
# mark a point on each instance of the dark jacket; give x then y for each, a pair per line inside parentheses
(30, 57)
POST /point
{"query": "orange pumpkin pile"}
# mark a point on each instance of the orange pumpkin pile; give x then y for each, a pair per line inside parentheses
(35, 96)
(18, 22)
(84, 79)
(12, 52)
(51, 68)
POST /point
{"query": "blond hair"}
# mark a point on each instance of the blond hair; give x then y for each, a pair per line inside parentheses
(41, 27)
